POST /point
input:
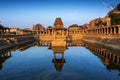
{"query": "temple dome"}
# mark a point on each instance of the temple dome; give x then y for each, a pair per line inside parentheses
(73, 27)
(49, 27)
(38, 27)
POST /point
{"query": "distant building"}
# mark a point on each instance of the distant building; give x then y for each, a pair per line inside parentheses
(4, 30)
(17, 31)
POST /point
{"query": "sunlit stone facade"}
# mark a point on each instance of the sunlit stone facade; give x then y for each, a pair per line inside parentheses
(17, 31)
(107, 27)
(57, 32)
(101, 26)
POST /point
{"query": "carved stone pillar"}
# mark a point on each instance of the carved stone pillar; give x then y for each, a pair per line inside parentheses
(114, 30)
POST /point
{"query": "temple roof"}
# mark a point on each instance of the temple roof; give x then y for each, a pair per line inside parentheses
(38, 27)
(74, 26)
(58, 23)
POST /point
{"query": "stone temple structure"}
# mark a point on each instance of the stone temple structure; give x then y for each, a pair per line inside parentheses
(59, 37)
(57, 34)
(104, 30)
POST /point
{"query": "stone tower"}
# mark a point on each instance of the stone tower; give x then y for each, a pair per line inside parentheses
(58, 23)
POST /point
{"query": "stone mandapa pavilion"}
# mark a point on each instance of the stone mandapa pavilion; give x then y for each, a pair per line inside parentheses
(58, 33)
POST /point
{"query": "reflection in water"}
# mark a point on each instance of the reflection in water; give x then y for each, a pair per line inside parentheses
(58, 63)
(24, 47)
(35, 63)
(69, 43)
(109, 57)
(3, 57)
(6, 54)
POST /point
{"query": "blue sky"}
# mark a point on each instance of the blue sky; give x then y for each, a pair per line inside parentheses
(26, 13)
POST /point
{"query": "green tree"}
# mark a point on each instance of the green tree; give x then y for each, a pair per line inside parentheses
(115, 18)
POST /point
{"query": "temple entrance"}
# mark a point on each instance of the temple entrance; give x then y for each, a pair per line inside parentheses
(58, 33)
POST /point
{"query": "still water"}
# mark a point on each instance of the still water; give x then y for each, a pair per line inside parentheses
(41, 63)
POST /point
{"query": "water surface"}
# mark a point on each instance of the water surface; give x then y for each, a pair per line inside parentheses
(41, 63)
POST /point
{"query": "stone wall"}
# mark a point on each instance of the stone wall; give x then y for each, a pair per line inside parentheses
(113, 42)
(13, 41)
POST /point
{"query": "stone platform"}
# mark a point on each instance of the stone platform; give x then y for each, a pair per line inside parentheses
(58, 42)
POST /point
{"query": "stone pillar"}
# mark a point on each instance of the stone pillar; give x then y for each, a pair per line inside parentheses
(66, 32)
(113, 57)
(49, 32)
(91, 32)
(95, 32)
(114, 29)
(108, 30)
(102, 31)
(111, 31)
(118, 58)
(98, 31)
(109, 55)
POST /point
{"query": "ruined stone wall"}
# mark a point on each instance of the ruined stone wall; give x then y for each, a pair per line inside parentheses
(110, 41)
(13, 41)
